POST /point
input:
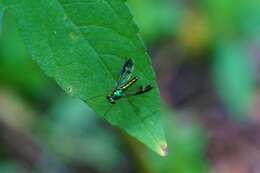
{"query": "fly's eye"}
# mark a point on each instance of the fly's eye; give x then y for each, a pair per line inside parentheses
(111, 100)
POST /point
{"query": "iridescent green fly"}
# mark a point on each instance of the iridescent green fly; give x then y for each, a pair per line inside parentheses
(125, 81)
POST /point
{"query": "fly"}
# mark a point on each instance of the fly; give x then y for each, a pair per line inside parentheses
(125, 82)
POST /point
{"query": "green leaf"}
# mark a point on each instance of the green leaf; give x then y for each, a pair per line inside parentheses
(234, 77)
(2, 9)
(27, 76)
(166, 14)
(82, 45)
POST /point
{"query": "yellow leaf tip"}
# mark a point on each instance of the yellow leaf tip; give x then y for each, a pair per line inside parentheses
(163, 150)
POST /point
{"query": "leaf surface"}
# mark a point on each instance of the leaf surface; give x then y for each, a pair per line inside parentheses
(82, 44)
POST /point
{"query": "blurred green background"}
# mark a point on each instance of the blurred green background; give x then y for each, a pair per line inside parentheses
(206, 54)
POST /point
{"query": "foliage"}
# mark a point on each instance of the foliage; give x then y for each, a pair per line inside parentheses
(82, 45)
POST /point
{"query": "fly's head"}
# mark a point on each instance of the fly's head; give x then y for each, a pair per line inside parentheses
(111, 99)
(115, 95)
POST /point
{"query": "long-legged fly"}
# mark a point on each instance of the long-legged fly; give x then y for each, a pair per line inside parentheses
(125, 82)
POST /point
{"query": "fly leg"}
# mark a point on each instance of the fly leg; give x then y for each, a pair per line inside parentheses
(141, 90)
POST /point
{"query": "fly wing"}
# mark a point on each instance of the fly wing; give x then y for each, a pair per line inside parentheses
(125, 73)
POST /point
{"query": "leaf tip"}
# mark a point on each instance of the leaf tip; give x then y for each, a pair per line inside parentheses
(163, 149)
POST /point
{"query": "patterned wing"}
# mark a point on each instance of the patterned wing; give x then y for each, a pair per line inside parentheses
(125, 74)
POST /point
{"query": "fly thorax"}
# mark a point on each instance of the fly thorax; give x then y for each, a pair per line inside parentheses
(118, 93)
